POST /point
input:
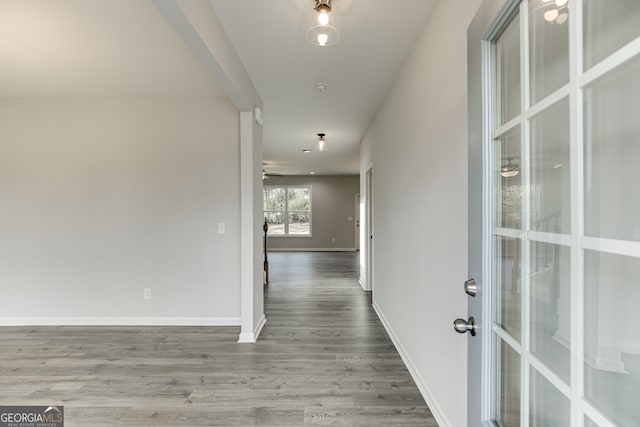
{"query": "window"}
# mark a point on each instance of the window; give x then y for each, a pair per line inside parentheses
(288, 210)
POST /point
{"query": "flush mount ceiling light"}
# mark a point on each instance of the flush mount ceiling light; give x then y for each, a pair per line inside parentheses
(552, 11)
(509, 170)
(322, 145)
(321, 33)
(320, 87)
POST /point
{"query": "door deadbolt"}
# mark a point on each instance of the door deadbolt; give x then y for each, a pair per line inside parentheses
(470, 287)
(462, 326)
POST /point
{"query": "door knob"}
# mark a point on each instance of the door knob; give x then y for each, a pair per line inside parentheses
(462, 326)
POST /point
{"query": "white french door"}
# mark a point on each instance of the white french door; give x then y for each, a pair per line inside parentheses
(554, 120)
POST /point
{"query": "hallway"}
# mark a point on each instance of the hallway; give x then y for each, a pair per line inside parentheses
(350, 373)
(323, 359)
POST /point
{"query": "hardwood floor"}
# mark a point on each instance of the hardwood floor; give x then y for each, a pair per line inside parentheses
(323, 359)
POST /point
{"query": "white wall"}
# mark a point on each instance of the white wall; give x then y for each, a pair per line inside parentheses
(332, 204)
(101, 198)
(417, 144)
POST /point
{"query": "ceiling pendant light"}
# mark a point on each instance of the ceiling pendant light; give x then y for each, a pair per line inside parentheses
(321, 145)
(321, 33)
(323, 9)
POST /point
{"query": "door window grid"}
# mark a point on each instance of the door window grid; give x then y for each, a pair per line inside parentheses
(572, 91)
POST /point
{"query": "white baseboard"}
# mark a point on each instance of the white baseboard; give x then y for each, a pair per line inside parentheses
(119, 321)
(616, 366)
(440, 417)
(252, 337)
(610, 359)
(311, 250)
(363, 285)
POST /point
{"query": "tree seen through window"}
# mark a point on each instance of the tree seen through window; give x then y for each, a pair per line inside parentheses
(288, 210)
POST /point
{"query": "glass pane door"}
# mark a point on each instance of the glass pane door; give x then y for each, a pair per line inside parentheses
(565, 220)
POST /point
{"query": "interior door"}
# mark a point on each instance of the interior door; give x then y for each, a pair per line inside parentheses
(554, 213)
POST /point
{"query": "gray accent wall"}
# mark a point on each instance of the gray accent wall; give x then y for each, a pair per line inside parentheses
(332, 203)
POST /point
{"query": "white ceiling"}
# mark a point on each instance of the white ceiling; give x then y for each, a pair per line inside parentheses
(270, 38)
(70, 48)
(95, 48)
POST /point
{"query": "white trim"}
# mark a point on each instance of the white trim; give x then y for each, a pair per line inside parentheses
(617, 247)
(119, 321)
(286, 236)
(505, 128)
(610, 365)
(252, 337)
(312, 250)
(596, 415)
(508, 339)
(487, 367)
(251, 202)
(576, 143)
(549, 375)
(550, 238)
(369, 231)
(525, 149)
(286, 209)
(362, 279)
(614, 60)
(427, 394)
(547, 102)
(356, 222)
(508, 232)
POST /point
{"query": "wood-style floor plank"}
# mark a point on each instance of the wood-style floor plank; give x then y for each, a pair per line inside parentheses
(323, 358)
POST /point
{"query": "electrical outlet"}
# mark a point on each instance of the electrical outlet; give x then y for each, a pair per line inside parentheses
(147, 293)
(221, 228)
(333, 240)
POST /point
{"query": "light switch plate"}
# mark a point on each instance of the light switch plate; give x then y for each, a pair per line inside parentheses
(221, 228)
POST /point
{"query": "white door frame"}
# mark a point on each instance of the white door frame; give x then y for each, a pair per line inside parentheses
(479, 367)
(369, 260)
(357, 223)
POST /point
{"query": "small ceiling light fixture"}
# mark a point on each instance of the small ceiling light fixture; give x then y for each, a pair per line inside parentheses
(553, 11)
(306, 151)
(321, 87)
(312, 173)
(509, 170)
(322, 145)
(321, 33)
(323, 9)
